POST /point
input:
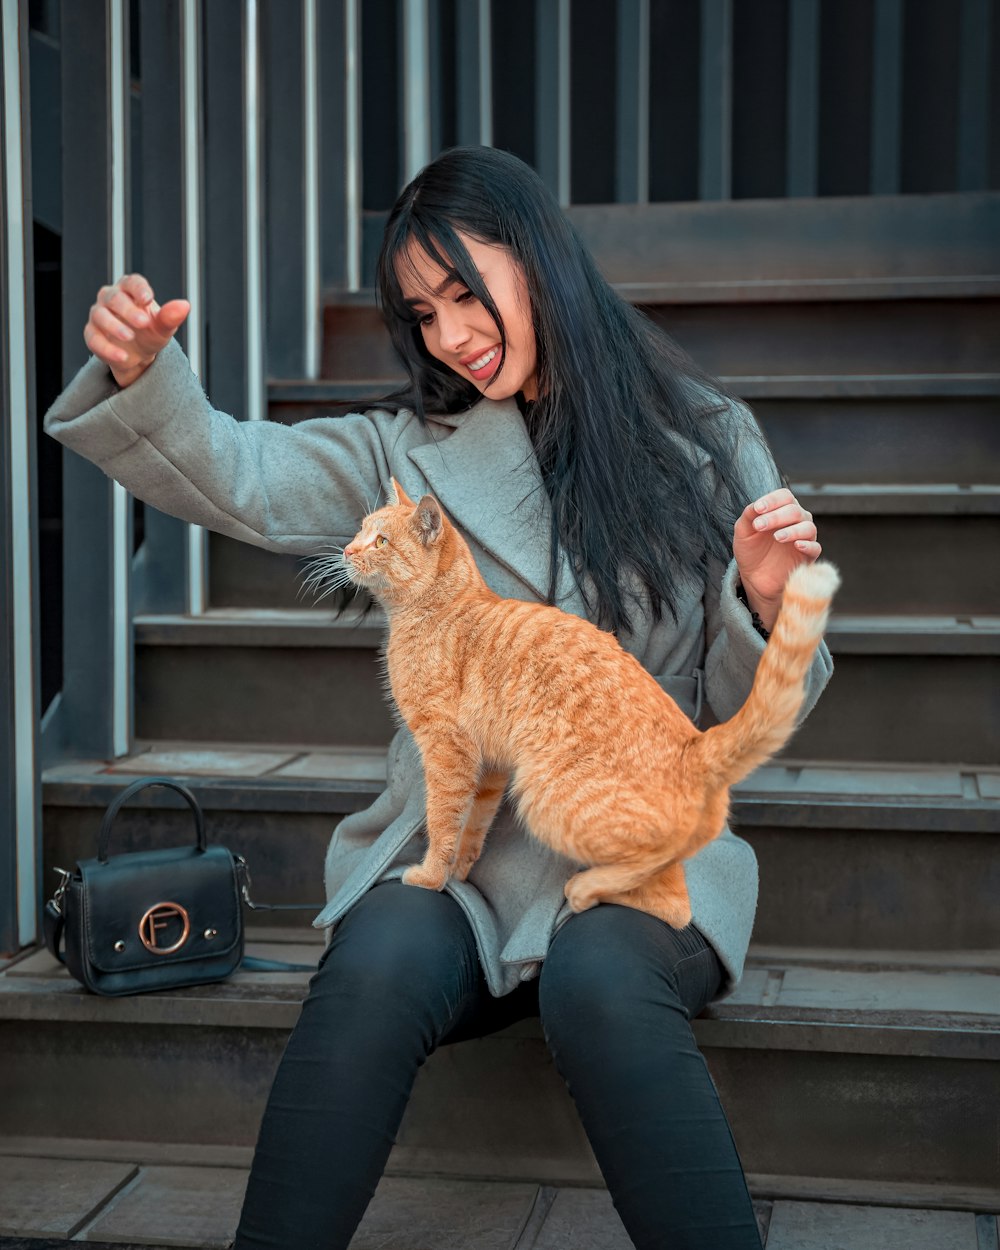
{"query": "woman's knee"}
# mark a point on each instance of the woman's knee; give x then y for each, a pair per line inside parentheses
(399, 947)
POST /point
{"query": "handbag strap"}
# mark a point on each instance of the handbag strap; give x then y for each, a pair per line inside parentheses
(147, 783)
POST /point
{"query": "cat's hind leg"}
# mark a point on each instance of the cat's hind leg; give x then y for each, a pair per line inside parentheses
(451, 771)
(645, 884)
(484, 808)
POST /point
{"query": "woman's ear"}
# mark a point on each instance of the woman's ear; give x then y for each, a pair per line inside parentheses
(398, 495)
(429, 520)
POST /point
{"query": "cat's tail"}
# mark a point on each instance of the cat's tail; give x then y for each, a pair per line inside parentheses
(730, 751)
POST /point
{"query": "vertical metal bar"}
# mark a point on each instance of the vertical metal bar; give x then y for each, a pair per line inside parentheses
(352, 166)
(253, 259)
(715, 165)
(416, 87)
(887, 97)
(802, 162)
(977, 18)
(312, 318)
(197, 538)
(552, 91)
(474, 72)
(118, 83)
(632, 124)
(19, 789)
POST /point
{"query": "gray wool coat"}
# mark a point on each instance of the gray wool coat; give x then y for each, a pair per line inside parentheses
(299, 488)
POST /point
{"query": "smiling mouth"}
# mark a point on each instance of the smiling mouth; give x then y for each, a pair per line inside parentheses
(487, 358)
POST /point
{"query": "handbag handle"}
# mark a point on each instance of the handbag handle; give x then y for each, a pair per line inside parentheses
(146, 783)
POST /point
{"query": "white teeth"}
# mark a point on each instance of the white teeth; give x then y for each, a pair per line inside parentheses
(483, 361)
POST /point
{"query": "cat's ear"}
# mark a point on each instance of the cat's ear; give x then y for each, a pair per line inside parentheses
(398, 495)
(429, 520)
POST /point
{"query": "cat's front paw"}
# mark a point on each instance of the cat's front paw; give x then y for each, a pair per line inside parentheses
(428, 878)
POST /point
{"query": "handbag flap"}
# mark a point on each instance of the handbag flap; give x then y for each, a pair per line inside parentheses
(160, 907)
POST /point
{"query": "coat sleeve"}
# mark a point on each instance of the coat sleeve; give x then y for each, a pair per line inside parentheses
(284, 488)
(733, 646)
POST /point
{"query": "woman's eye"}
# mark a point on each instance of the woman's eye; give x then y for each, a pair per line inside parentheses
(463, 296)
(425, 319)
(381, 540)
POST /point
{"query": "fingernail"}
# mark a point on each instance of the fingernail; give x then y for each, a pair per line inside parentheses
(760, 523)
(760, 505)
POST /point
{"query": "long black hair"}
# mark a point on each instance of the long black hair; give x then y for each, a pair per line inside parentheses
(622, 413)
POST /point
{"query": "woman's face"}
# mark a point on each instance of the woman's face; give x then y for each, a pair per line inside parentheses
(459, 331)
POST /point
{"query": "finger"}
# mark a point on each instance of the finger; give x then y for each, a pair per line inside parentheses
(124, 306)
(135, 284)
(773, 499)
(103, 319)
(103, 348)
(172, 315)
(804, 531)
(786, 514)
(811, 550)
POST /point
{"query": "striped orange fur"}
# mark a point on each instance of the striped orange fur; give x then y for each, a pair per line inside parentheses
(604, 767)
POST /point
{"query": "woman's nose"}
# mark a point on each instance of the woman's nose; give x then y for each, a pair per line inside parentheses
(454, 331)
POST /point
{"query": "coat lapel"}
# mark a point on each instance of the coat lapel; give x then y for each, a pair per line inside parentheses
(486, 476)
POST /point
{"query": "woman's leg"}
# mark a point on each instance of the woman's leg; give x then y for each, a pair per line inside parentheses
(618, 989)
(401, 972)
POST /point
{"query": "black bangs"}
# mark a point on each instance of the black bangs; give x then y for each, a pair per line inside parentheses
(434, 387)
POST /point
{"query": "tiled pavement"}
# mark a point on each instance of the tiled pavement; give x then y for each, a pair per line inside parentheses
(47, 1202)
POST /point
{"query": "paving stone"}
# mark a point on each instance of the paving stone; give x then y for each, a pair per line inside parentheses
(204, 763)
(989, 785)
(46, 1197)
(583, 1219)
(38, 964)
(346, 765)
(831, 1226)
(175, 1206)
(417, 1214)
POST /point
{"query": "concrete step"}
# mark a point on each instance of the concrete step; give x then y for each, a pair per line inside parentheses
(859, 1075)
(883, 539)
(60, 1192)
(878, 428)
(851, 856)
(914, 689)
(743, 338)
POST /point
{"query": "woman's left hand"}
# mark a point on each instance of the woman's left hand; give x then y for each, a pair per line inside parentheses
(773, 535)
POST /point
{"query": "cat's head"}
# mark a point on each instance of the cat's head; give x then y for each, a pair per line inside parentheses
(401, 549)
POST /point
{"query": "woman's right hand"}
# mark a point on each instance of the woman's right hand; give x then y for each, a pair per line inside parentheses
(127, 328)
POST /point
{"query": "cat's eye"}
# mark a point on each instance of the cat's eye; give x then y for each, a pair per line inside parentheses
(381, 540)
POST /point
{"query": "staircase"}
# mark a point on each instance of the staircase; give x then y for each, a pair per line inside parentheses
(858, 1059)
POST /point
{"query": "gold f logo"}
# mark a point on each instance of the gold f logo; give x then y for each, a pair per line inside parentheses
(164, 916)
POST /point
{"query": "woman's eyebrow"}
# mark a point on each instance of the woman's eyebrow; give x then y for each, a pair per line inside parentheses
(438, 291)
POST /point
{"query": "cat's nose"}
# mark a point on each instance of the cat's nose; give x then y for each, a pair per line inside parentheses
(350, 550)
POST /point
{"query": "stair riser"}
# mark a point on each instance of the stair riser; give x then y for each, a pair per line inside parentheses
(883, 561)
(793, 1113)
(843, 337)
(876, 889)
(903, 441)
(906, 708)
(859, 889)
(918, 708)
(285, 850)
(253, 694)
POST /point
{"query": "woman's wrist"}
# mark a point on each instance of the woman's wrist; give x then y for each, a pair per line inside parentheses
(763, 612)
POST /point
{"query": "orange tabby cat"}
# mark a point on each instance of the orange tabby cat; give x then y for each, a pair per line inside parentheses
(606, 768)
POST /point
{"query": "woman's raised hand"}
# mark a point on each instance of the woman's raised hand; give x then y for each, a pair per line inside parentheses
(773, 535)
(127, 327)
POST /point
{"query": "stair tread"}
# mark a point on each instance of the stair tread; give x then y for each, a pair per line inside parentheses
(905, 1009)
(749, 386)
(266, 777)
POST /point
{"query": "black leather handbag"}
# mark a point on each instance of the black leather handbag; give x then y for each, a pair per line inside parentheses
(155, 920)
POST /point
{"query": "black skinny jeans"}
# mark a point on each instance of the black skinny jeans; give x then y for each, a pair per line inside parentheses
(402, 976)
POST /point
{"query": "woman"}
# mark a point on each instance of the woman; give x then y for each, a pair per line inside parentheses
(589, 463)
